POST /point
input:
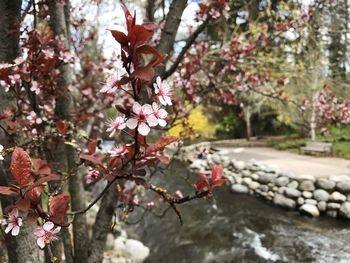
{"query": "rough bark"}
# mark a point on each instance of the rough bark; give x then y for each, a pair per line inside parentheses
(66, 154)
(247, 116)
(171, 26)
(23, 247)
(102, 225)
(150, 9)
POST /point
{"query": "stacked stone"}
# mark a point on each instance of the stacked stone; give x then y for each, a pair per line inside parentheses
(311, 196)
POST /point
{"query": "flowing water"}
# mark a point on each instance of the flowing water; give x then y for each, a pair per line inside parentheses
(241, 228)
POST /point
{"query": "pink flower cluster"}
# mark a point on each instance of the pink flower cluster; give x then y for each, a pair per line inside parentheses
(143, 117)
(13, 222)
(46, 234)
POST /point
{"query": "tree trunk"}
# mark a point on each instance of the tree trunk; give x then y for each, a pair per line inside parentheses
(313, 120)
(102, 225)
(173, 19)
(22, 248)
(150, 9)
(247, 116)
(68, 155)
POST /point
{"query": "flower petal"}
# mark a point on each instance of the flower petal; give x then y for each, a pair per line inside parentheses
(15, 231)
(39, 232)
(41, 242)
(56, 230)
(168, 100)
(162, 113)
(159, 81)
(8, 228)
(152, 120)
(143, 129)
(147, 109)
(161, 122)
(48, 226)
(132, 123)
(155, 106)
(162, 100)
(136, 108)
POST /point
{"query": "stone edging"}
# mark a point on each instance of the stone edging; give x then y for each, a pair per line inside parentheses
(311, 196)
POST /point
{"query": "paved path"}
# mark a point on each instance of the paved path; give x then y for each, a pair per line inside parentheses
(291, 162)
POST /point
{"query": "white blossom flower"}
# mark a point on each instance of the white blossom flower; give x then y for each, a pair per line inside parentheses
(143, 119)
(117, 124)
(163, 91)
(160, 114)
(13, 222)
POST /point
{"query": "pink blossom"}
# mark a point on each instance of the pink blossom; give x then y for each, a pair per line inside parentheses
(111, 84)
(214, 13)
(48, 54)
(163, 91)
(13, 222)
(92, 176)
(160, 114)
(66, 56)
(117, 124)
(136, 200)
(150, 205)
(143, 118)
(46, 234)
(119, 151)
(178, 194)
(5, 85)
(16, 78)
(33, 118)
(35, 87)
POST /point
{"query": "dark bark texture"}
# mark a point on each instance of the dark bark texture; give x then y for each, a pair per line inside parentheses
(102, 225)
(66, 154)
(171, 26)
(23, 248)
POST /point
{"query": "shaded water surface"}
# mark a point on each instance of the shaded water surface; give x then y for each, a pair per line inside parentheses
(241, 228)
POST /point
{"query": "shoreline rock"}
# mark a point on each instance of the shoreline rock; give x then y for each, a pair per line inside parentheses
(305, 193)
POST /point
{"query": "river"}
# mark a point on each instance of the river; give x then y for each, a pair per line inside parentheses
(240, 228)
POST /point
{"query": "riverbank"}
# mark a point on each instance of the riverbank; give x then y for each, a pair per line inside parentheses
(313, 195)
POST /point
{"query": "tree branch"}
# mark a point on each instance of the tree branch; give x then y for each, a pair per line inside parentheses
(188, 44)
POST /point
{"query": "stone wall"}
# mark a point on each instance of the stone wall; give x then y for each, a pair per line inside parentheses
(310, 195)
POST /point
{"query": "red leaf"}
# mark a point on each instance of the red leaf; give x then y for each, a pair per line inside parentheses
(32, 217)
(23, 204)
(52, 177)
(91, 158)
(5, 190)
(120, 37)
(218, 183)
(150, 26)
(114, 162)
(92, 146)
(141, 172)
(216, 172)
(21, 166)
(202, 183)
(160, 144)
(121, 109)
(41, 167)
(145, 73)
(140, 181)
(59, 206)
(147, 49)
(163, 159)
(139, 36)
(62, 126)
(34, 195)
(130, 20)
